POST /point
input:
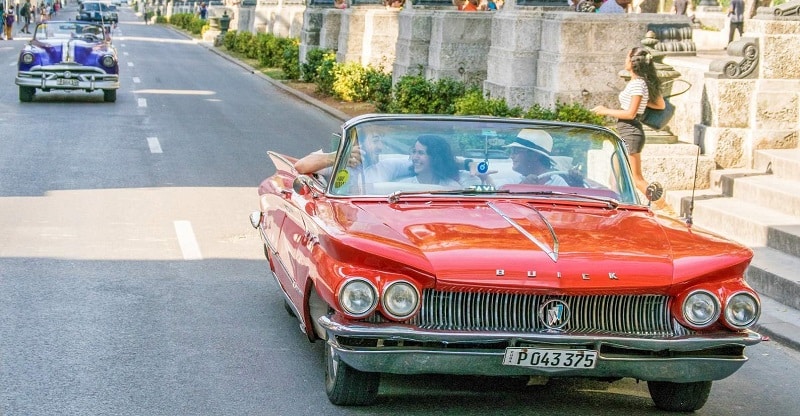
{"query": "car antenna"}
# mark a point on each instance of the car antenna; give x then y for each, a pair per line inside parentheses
(690, 210)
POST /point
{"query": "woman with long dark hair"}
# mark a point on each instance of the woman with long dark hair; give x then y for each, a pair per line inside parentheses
(432, 162)
(643, 90)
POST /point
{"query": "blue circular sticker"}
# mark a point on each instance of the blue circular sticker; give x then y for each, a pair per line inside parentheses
(483, 167)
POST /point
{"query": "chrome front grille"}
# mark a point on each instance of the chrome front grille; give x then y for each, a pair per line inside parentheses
(642, 315)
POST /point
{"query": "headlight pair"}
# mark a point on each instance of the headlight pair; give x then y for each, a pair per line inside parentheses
(359, 297)
(702, 308)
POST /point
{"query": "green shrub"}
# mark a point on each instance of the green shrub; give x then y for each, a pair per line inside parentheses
(349, 82)
(314, 59)
(229, 40)
(325, 76)
(413, 94)
(290, 62)
(380, 88)
(475, 103)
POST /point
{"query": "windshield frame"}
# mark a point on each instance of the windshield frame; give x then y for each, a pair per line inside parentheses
(625, 192)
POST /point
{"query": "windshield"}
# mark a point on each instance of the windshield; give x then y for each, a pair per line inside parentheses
(67, 30)
(385, 156)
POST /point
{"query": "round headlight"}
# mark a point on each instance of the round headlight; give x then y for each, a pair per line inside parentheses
(27, 58)
(109, 61)
(400, 299)
(701, 309)
(358, 297)
(742, 310)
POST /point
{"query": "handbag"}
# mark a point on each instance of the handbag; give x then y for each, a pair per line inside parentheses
(658, 119)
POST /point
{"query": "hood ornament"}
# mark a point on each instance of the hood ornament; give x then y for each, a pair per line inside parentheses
(551, 252)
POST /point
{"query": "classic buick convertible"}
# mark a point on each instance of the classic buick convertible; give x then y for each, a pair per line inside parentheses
(502, 247)
(68, 56)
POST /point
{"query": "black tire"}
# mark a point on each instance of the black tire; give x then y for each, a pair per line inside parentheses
(679, 397)
(26, 94)
(110, 96)
(347, 386)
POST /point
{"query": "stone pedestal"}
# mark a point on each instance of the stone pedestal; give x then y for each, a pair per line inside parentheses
(282, 18)
(368, 35)
(413, 43)
(459, 46)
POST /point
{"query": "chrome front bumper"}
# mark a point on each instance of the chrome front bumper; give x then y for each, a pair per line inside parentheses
(401, 349)
(57, 80)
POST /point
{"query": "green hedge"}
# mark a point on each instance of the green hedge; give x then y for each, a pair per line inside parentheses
(412, 94)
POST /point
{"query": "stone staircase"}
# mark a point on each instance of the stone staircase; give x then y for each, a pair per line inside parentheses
(760, 208)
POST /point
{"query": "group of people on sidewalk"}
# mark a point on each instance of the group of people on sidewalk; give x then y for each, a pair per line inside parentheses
(24, 15)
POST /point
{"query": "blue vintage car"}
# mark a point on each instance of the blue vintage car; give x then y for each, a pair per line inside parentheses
(68, 55)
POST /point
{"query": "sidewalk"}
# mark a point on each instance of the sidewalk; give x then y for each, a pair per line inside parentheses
(778, 322)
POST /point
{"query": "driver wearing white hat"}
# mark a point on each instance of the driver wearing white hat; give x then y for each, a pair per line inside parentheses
(530, 155)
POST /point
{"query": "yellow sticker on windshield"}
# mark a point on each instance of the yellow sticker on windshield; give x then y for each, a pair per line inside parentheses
(341, 178)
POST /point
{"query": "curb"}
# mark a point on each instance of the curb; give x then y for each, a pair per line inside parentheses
(305, 97)
(779, 322)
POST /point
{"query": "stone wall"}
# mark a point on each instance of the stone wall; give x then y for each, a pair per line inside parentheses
(752, 96)
(283, 18)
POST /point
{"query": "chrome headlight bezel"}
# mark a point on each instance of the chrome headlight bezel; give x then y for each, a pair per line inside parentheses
(734, 301)
(27, 58)
(400, 288)
(704, 299)
(108, 61)
(364, 288)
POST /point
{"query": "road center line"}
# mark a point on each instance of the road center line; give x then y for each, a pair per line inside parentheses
(142, 102)
(155, 147)
(187, 241)
(136, 80)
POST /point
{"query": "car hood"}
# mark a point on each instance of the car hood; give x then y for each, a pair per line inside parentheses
(516, 245)
(77, 51)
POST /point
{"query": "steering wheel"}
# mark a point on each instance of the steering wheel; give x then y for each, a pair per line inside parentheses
(90, 37)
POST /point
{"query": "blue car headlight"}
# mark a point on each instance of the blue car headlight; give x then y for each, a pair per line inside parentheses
(108, 61)
(27, 58)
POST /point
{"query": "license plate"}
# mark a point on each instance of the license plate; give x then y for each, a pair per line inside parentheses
(71, 82)
(550, 358)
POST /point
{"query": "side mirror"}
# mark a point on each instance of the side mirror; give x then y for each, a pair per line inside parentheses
(255, 219)
(302, 185)
(654, 191)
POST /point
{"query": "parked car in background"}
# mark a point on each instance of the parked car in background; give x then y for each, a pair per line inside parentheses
(430, 247)
(68, 55)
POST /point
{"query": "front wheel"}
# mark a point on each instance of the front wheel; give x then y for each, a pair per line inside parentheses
(110, 96)
(26, 94)
(347, 386)
(679, 397)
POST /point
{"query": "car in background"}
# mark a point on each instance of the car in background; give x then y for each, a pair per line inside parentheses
(423, 250)
(68, 55)
(98, 11)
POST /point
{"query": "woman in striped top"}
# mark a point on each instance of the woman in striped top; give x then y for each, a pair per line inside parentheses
(643, 90)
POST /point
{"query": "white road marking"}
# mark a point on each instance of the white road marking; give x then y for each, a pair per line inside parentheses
(130, 63)
(125, 53)
(155, 147)
(136, 80)
(187, 241)
(142, 102)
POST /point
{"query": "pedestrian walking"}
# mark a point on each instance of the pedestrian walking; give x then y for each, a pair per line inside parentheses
(8, 19)
(642, 91)
(736, 14)
(25, 15)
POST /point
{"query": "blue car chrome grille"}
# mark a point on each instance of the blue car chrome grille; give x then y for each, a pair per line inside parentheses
(641, 315)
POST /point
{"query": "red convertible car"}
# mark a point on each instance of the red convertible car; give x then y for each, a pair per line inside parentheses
(502, 247)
